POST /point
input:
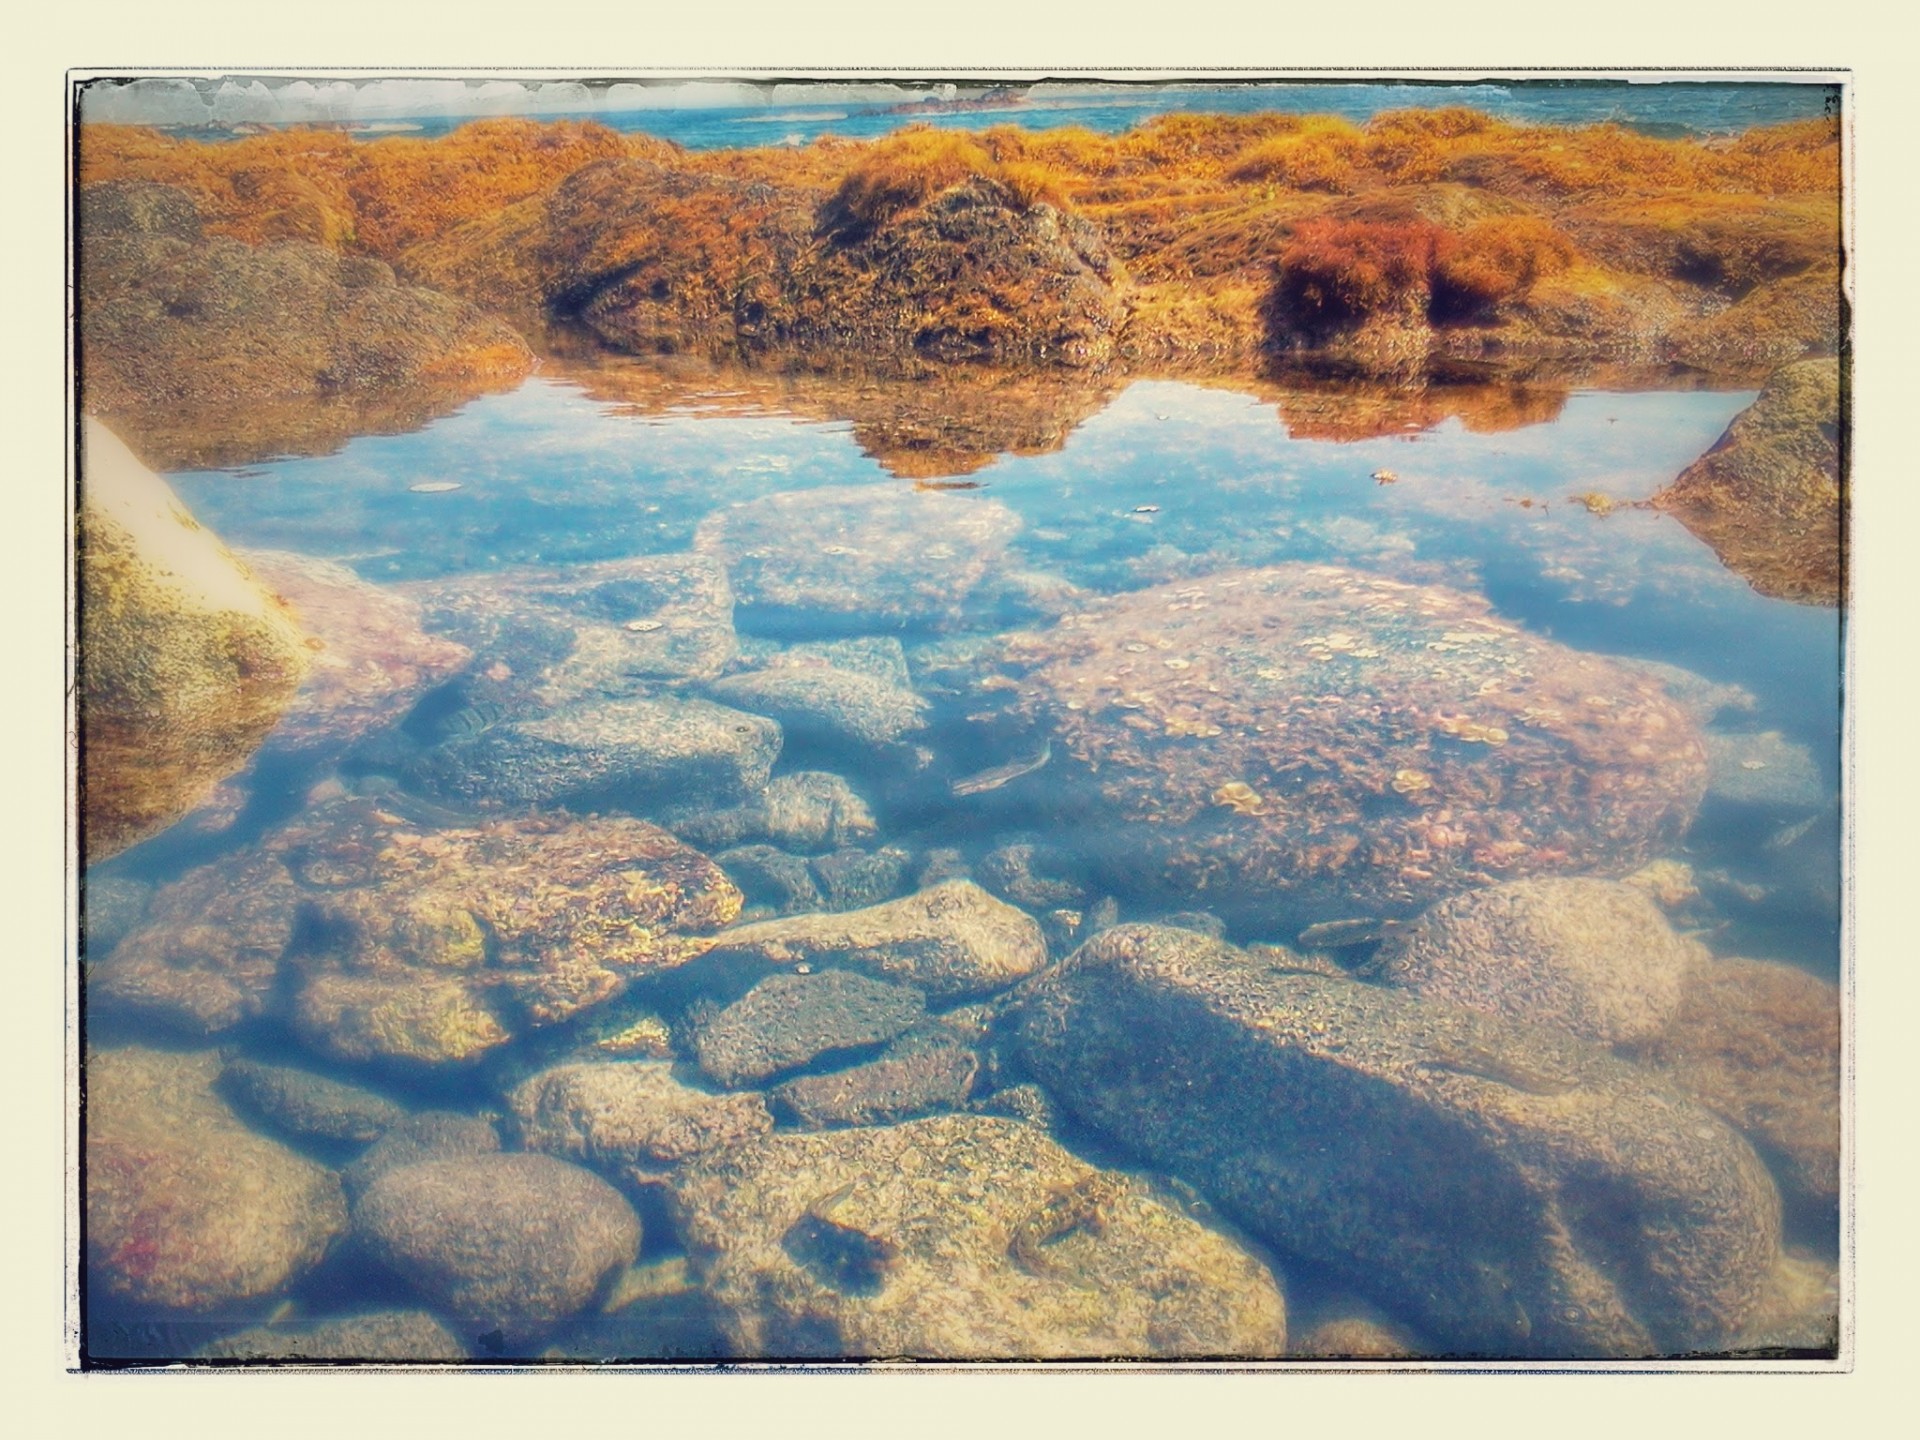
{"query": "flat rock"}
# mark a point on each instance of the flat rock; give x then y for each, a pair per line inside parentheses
(630, 1114)
(397, 1335)
(824, 702)
(804, 812)
(953, 940)
(507, 1243)
(1762, 769)
(1320, 742)
(1595, 958)
(186, 661)
(187, 1208)
(791, 1020)
(961, 1237)
(861, 554)
(925, 1070)
(630, 752)
(300, 1102)
(1448, 1163)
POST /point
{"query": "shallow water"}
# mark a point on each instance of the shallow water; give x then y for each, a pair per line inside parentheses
(1163, 482)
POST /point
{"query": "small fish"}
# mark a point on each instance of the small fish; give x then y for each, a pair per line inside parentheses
(999, 775)
(949, 484)
(434, 487)
(1484, 1064)
(1146, 509)
(1386, 477)
(1340, 934)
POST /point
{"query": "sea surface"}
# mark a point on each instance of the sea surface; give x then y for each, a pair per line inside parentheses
(1530, 500)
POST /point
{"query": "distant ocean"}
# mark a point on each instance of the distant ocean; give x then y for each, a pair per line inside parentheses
(711, 115)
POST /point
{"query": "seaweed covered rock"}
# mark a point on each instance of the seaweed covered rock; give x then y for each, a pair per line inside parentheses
(952, 940)
(630, 1113)
(962, 1237)
(1511, 1190)
(174, 317)
(418, 943)
(187, 1208)
(397, 1335)
(1767, 496)
(1593, 957)
(861, 554)
(630, 753)
(790, 1020)
(506, 1243)
(438, 945)
(1302, 742)
(1759, 1043)
(186, 662)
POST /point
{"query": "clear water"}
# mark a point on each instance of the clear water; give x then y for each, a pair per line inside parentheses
(1165, 480)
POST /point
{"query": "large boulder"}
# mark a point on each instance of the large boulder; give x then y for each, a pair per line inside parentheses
(951, 940)
(172, 317)
(186, 662)
(1305, 742)
(1507, 1189)
(187, 1208)
(1767, 496)
(1593, 957)
(962, 1237)
(512, 1244)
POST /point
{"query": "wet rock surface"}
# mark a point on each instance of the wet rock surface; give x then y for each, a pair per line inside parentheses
(186, 662)
(1508, 1189)
(1767, 497)
(630, 1113)
(512, 1244)
(867, 555)
(962, 1237)
(950, 941)
(1592, 957)
(428, 1135)
(790, 1020)
(1326, 740)
(187, 1208)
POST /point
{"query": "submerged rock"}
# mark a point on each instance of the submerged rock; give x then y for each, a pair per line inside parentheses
(1512, 1191)
(507, 1243)
(826, 702)
(861, 554)
(950, 941)
(851, 878)
(371, 662)
(630, 753)
(1313, 741)
(630, 1113)
(1767, 496)
(962, 1237)
(1762, 769)
(397, 1335)
(767, 874)
(300, 1102)
(790, 1020)
(1759, 1043)
(924, 1070)
(438, 945)
(187, 1208)
(1595, 958)
(805, 811)
(428, 1135)
(186, 662)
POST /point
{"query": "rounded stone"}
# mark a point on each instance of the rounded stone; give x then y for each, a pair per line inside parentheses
(513, 1243)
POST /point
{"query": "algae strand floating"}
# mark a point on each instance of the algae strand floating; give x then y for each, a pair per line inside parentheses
(1321, 690)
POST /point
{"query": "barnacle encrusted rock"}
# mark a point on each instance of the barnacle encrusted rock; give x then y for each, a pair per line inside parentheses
(962, 1237)
(1308, 742)
(1508, 1189)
